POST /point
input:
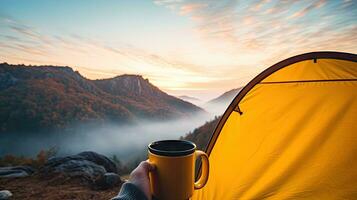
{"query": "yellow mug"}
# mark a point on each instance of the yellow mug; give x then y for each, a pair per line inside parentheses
(174, 176)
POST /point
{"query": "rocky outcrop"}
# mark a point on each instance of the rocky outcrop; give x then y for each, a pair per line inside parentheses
(18, 171)
(89, 168)
(99, 160)
(89, 164)
(93, 167)
(73, 166)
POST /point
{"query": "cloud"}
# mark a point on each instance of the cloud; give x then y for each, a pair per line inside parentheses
(190, 8)
(309, 8)
(272, 29)
(214, 19)
(231, 40)
(259, 5)
(94, 58)
(28, 40)
(27, 31)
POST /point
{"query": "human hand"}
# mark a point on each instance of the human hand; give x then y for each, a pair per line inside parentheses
(140, 177)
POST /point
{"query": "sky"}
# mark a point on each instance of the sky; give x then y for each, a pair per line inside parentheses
(199, 48)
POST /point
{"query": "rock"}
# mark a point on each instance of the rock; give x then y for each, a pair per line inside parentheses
(100, 160)
(5, 194)
(84, 168)
(109, 180)
(87, 164)
(17, 171)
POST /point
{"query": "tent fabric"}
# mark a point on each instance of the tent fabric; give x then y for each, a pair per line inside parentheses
(291, 133)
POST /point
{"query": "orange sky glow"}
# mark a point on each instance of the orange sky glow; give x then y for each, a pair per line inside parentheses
(198, 48)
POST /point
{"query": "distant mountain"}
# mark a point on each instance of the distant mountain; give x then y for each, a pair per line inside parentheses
(144, 99)
(201, 135)
(193, 100)
(184, 97)
(226, 97)
(219, 105)
(48, 97)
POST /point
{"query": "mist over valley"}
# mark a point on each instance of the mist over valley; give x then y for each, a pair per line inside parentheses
(44, 107)
(125, 141)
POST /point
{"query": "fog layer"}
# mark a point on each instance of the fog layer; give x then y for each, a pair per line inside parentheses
(127, 142)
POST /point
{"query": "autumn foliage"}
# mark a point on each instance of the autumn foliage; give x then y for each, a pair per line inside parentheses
(34, 98)
(38, 161)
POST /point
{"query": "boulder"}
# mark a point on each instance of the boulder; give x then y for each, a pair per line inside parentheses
(5, 194)
(100, 160)
(83, 168)
(17, 171)
(87, 164)
(109, 180)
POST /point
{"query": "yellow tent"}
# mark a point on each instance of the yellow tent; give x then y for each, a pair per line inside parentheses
(291, 133)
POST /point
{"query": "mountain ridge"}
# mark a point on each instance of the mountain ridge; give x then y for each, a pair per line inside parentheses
(193, 100)
(226, 96)
(56, 96)
(189, 98)
(219, 104)
(202, 134)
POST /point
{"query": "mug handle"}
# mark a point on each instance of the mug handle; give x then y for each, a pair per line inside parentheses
(204, 170)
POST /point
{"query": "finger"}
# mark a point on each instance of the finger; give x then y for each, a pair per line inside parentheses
(147, 166)
(152, 167)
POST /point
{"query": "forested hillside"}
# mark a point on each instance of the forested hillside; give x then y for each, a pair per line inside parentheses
(34, 98)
